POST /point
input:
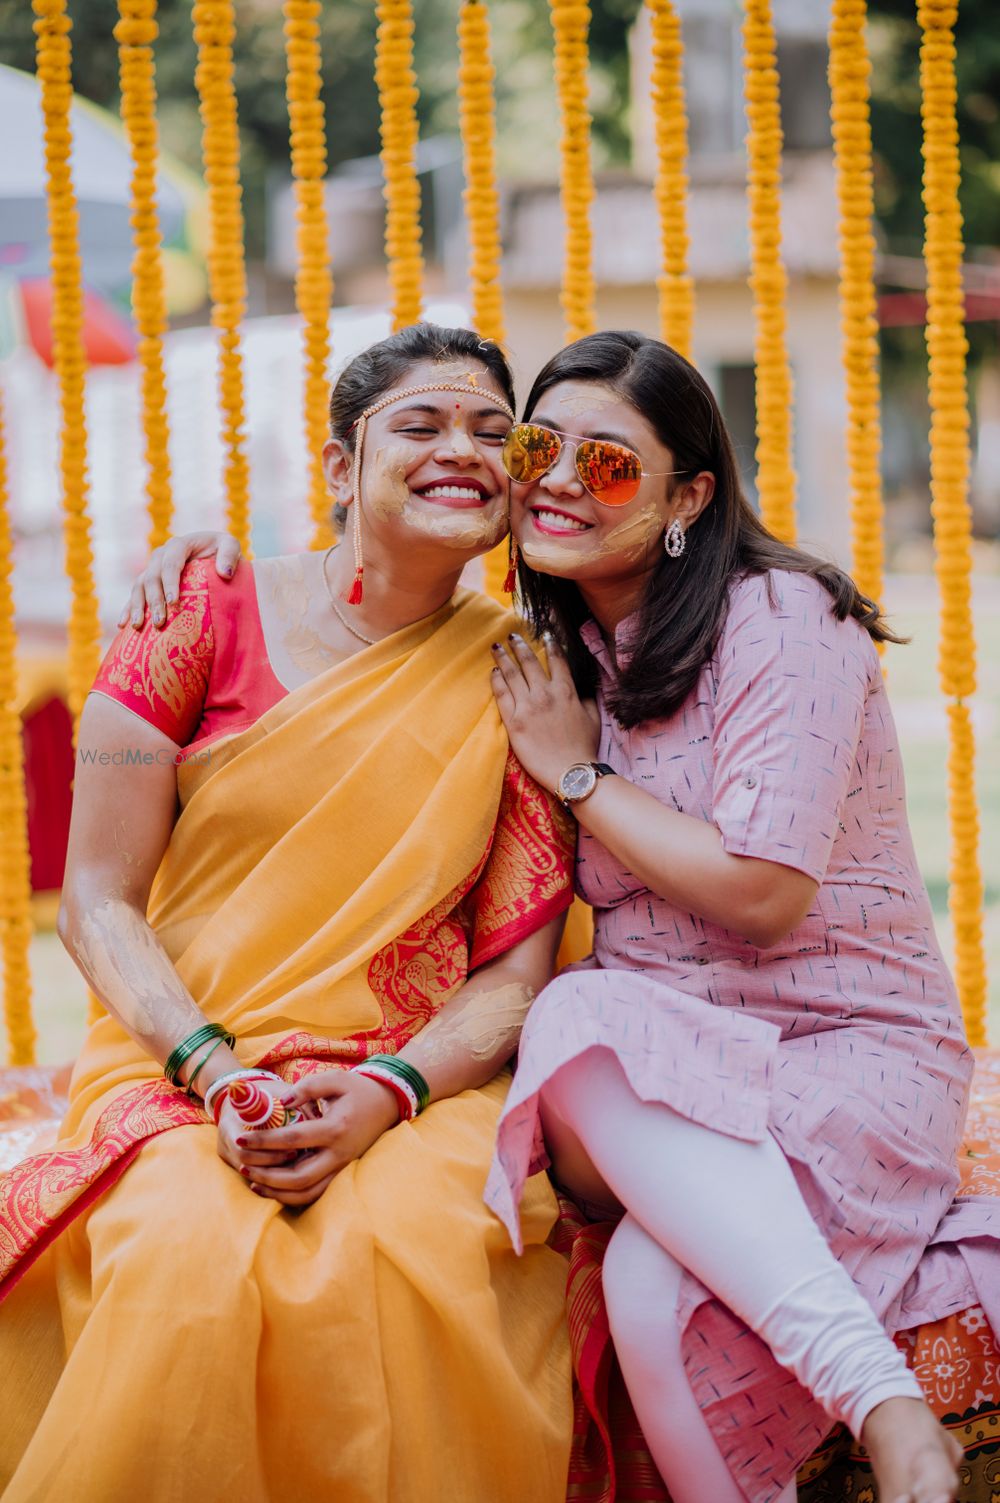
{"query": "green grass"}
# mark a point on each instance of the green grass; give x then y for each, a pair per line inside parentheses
(912, 676)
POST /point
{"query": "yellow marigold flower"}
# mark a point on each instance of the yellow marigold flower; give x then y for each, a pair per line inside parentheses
(768, 281)
(477, 119)
(850, 71)
(135, 34)
(397, 92)
(15, 873)
(675, 285)
(946, 350)
(52, 30)
(570, 23)
(313, 279)
(214, 29)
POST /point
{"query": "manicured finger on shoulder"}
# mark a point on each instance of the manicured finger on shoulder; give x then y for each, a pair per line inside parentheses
(501, 692)
(526, 659)
(507, 665)
(152, 584)
(175, 556)
(139, 597)
(228, 556)
(559, 670)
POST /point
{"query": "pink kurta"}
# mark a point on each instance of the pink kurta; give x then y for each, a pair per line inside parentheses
(844, 1040)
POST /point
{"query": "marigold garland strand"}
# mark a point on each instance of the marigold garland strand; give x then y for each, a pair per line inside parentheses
(214, 30)
(477, 120)
(674, 284)
(946, 350)
(397, 92)
(313, 279)
(570, 24)
(15, 865)
(768, 280)
(135, 34)
(52, 28)
(850, 72)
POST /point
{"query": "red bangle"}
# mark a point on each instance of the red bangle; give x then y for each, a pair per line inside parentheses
(403, 1101)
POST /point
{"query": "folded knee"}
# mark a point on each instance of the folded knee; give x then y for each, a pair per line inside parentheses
(570, 1092)
(641, 1286)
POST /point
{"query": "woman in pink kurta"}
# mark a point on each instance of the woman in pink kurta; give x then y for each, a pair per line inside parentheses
(765, 963)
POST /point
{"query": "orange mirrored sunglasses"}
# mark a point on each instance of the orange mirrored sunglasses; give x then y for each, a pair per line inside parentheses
(610, 472)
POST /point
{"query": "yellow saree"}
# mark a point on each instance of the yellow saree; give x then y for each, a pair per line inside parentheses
(333, 870)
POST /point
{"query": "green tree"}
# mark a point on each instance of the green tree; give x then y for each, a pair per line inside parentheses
(896, 131)
(524, 48)
(896, 121)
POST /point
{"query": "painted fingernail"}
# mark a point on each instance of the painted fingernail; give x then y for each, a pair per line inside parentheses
(256, 1189)
(137, 618)
(228, 571)
(242, 1142)
(288, 1100)
(171, 599)
(158, 618)
(244, 1171)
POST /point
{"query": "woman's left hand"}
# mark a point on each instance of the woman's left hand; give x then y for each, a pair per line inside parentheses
(354, 1112)
(549, 725)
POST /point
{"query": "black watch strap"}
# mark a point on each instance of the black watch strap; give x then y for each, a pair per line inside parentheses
(603, 770)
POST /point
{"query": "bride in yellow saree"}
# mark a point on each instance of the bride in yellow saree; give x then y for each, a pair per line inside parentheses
(357, 867)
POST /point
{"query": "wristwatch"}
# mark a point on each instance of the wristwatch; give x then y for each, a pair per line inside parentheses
(579, 781)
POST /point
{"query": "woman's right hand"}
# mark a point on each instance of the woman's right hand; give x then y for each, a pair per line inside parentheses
(159, 583)
(232, 1126)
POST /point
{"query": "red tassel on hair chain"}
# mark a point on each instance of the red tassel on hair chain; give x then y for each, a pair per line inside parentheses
(510, 583)
(357, 593)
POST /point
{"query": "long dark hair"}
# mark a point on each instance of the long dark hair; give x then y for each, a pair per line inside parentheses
(684, 606)
(384, 365)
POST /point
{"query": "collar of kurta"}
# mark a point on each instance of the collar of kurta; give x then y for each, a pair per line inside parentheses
(625, 635)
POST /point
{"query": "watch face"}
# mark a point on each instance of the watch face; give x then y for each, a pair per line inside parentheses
(577, 781)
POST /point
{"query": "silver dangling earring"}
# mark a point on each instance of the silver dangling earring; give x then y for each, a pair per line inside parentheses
(674, 539)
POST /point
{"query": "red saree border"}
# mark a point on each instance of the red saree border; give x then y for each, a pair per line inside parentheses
(523, 927)
(528, 876)
(41, 1196)
(83, 1202)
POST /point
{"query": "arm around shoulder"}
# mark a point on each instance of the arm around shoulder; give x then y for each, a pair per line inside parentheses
(124, 806)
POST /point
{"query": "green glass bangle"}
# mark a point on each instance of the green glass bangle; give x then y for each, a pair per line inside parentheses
(189, 1089)
(184, 1050)
(405, 1071)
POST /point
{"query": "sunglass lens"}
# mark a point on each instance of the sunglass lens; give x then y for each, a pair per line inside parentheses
(610, 472)
(529, 451)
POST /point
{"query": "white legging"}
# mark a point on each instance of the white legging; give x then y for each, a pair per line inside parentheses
(731, 1213)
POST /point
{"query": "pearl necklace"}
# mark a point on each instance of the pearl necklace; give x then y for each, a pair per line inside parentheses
(369, 641)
